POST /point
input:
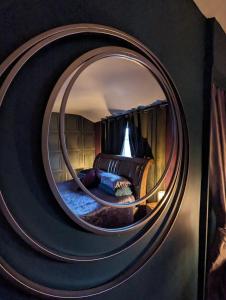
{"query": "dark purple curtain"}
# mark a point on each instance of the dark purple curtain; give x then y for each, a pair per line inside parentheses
(216, 287)
(112, 134)
(139, 131)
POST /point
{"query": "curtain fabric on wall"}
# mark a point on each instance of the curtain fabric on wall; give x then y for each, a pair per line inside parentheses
(217, 273)
(140, 133)
(147, 133)
(147, 136)
(112, 135)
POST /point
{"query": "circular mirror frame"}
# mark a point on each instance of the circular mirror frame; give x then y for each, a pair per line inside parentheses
(74, 71)
(20, 57)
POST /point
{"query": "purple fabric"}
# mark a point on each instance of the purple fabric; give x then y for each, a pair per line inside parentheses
(217, 275)
(90, 179)
(91, 211)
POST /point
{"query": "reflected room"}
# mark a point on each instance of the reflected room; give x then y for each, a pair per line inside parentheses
(118, 137)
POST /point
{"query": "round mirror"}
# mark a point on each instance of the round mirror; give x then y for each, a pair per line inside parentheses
(111, 142)
(115, 153)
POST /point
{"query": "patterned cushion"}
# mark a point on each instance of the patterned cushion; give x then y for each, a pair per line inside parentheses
(113, 181)
(124, 191)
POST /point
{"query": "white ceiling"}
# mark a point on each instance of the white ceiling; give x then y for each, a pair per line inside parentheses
(108, 86)
(115, 84)
(213, 8)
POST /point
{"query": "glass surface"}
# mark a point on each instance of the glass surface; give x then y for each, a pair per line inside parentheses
(117, 122)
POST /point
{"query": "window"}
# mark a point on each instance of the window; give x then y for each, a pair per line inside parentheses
(126, 151)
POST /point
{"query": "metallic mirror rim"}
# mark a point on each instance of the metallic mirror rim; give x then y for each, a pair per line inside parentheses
(80, 65)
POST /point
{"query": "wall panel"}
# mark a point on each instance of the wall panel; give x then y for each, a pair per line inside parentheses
(80, 142)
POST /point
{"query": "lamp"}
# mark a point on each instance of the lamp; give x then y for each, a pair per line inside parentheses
(160, 195)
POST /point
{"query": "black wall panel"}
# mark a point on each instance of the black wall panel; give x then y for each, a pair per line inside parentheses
(175, 32)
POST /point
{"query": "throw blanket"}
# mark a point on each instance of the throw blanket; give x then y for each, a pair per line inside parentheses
(84, 206)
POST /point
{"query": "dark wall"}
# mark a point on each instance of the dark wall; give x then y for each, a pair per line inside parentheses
(80, 142)
(175, 32)
(219, 56)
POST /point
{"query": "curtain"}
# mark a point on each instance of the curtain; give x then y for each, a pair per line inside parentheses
(147, 134)
(138, 123)
(112, 134)
(216, 287)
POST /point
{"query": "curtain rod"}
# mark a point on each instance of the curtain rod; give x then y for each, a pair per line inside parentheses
(139, 108)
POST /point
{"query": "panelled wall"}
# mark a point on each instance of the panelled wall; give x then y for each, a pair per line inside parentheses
(80, 142)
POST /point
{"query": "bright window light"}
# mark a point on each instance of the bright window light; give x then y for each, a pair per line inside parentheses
(126, 151)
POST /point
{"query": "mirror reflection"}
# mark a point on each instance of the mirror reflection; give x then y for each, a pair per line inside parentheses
(118, 138)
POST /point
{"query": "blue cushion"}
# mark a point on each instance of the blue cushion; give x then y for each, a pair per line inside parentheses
(113, 181)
